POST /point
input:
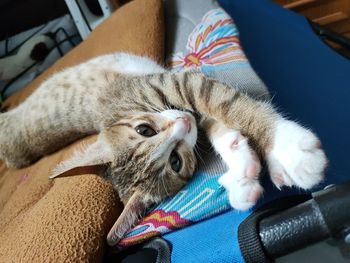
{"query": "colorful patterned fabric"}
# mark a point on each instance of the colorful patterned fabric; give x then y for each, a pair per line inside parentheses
(201, 198)
(213, 46)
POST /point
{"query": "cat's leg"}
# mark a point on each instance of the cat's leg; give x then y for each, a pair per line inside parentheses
(293, 153)
(241, 179)
(296, 157)
(12, 144)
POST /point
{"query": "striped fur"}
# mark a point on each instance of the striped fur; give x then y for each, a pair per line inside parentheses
(111, 95)
(88, 99)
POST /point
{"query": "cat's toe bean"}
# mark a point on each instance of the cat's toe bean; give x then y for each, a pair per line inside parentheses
(243, 193)
(241, 179)
(296, 157)
(278, 175)
(253, 167)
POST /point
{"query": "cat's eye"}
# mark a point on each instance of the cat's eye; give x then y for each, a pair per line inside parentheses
(175, 161)
(145, 130)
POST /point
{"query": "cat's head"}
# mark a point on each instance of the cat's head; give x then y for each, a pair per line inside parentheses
(149, 156)
(153, 153)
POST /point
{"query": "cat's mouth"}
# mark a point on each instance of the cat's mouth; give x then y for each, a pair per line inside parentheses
(183, 126)
(186, 121)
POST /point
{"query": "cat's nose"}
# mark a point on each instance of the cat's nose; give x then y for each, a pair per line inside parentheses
(186, 121)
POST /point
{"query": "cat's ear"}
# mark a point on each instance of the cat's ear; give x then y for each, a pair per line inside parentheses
(92, 160)
(133, 211)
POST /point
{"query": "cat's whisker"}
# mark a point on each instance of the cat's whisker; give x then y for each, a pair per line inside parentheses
(160, 108)
(204, 147)
(164, 185)
(157, 109)
(152, 106)
(158, 186)
(266, 97)
(167, 106)
(112, 117)
(202, 163)
(202, 144)
(126, 108)
(156, 182)
(198, 155)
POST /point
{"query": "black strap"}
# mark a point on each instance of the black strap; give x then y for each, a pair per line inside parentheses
(157, 250)
(248, 231)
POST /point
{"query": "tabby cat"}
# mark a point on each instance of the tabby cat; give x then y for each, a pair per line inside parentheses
(147, 121)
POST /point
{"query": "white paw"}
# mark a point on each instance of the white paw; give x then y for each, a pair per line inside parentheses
(242, 193)
(296, 157)
(241, 179)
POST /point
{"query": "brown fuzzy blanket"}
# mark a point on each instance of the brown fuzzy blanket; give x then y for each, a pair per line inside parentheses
(67, 219)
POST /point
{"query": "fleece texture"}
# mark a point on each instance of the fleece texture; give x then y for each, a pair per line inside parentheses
(67, 219)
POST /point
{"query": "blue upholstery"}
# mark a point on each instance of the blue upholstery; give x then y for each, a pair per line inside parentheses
(214, 240)
(308, 81)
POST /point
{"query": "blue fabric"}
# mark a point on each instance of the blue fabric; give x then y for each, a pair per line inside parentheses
(308, 81)
(210, 241)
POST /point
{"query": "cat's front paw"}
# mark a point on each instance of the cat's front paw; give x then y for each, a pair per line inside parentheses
(243, 193)
(241, 180)
(296, 157)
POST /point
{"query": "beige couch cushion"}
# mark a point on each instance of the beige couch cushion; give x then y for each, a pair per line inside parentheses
(67, 219)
